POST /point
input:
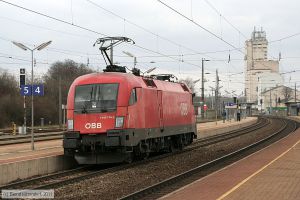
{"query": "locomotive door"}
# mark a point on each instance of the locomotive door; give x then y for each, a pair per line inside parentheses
(160, 109)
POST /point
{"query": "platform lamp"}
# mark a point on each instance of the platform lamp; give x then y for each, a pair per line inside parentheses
(202, 86)
(25, 48)
(131, 55)
(150, 70)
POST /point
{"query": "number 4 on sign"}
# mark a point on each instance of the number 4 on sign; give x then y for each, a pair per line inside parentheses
(38, 90)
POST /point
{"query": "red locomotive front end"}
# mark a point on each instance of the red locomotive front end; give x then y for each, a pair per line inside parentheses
(113, 117)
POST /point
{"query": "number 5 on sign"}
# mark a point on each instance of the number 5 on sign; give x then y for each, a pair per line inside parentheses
(38, 90)
(26, 90)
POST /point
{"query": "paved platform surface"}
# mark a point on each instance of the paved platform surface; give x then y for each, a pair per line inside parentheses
(272, 173)
(296, 118)
(19, 152)
(212, 128)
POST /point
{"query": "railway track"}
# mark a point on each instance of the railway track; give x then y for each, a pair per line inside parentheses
(164, 187)
(37, 181)
(71, 176)
(53, 134)
(17, 139)
(231, 134)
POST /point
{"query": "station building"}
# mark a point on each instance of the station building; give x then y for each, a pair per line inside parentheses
(260, 73)
(280, 99)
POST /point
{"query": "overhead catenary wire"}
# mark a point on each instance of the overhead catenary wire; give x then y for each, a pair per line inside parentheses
(45, 28)
(286, 37)
(200, 26)
(143, 28)
(213, 34)
(86, 29)
(197, 53)
(53, 18)
(83, 54)
(220, 14)
(90, 30)
(162, 55)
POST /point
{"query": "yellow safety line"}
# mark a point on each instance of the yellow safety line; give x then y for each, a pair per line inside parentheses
(261, 169)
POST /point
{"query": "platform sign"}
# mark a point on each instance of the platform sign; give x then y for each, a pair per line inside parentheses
(38, 90)
(230, 105)
(26, 90)
(35, 90)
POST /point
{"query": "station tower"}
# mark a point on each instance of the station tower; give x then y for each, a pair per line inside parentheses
(260, 72)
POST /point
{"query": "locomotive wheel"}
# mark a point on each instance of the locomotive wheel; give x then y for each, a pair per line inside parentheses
(129, 158)
(146, 155)
(172, 148)
(179, 142)
(69, 152)
(144, 151)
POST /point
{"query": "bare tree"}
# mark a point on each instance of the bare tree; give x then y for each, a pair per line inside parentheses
(189, 82)
(67, 71)
(287, 93)
(10, 100)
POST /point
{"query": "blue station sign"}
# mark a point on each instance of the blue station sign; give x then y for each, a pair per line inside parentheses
(35, 90)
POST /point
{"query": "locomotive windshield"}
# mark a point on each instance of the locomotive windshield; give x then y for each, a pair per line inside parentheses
(96, 98)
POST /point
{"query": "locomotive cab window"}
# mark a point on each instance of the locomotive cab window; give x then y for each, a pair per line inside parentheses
(96, 98)
(133, 97)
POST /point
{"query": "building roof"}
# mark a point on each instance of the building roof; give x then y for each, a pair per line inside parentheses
(292, 102)
(274, 88)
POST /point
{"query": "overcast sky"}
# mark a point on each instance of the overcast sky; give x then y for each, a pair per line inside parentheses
(162, 34)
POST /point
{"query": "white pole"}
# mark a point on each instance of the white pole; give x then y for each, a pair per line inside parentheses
(32, 112)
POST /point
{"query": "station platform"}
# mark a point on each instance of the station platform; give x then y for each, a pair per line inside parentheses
(272, 173)
(18, 161)
(20, 152)
(218, 127)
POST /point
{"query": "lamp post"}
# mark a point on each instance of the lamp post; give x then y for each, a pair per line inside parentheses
(270, 104)
(149, 70)
(196, 81)
(131, 55)
(202, 87)
(25, 48)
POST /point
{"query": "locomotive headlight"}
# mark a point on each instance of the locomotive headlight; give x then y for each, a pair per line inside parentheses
(119, 122)
(70, 124)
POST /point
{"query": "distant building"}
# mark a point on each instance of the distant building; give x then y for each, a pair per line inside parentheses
(276, 98)
(260, 73)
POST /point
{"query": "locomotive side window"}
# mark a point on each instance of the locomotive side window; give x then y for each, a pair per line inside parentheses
(149, 82)
(96, 98)
(184, 87)
(133, 97)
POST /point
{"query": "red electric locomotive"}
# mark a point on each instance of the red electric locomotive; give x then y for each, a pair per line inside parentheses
(114, 116)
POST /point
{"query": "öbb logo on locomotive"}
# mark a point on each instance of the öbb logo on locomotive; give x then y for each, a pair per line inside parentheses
(184, 109)
(93, 125)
